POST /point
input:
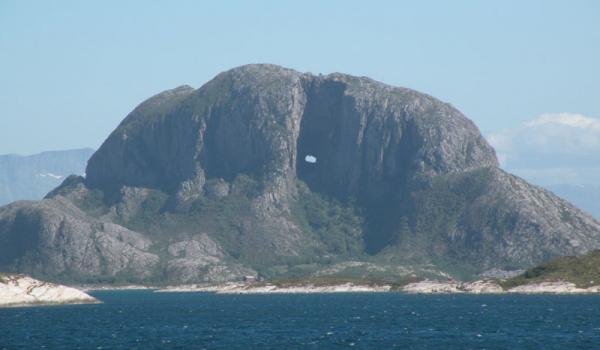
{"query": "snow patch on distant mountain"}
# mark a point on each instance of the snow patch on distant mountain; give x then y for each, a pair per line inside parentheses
(58, 177)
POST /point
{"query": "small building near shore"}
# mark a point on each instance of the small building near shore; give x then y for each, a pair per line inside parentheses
(250, 279)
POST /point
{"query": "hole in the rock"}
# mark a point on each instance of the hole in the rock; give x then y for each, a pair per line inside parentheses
(310, 159)
(321, 137)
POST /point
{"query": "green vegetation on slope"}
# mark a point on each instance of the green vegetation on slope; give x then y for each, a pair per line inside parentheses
(584, 271)
(224, 217)
(333, 229)
(338, 226)
(425, 229)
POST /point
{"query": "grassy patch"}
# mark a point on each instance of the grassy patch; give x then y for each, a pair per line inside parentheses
(584, 271)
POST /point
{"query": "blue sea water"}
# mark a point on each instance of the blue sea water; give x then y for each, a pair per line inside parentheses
(146, 320)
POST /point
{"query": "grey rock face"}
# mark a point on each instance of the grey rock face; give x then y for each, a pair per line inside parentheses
(199, 246)
(204, 184)
(371, 141)
(217, 189)
(202, 259)
(167, 160)
(368, 136)
(53, 237)
(257, 119)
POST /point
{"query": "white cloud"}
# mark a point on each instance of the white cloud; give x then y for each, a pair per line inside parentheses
(560, 147)
(310, 159)
(566, 119)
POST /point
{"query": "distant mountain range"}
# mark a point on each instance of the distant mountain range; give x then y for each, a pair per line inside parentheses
(32, 177)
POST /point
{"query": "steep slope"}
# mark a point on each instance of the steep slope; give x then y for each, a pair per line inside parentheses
(583, 271)
(213, 184)
(491, 219)
(32, 177)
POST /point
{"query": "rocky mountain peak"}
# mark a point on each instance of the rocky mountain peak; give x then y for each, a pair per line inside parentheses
(263, 120)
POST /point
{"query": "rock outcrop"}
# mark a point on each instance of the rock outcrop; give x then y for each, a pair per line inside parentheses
(19, 290)
(493, 287)
(268, 288)
(214, 184)
(451, 287)
(56, 238)
(553, 288)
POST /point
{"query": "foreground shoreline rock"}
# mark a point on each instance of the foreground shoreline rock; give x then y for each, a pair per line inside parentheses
(20, 290)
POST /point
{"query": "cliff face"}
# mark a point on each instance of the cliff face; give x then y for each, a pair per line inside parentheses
(214, 183)
(262, 120)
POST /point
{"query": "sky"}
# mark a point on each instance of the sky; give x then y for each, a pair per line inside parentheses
(70, 71)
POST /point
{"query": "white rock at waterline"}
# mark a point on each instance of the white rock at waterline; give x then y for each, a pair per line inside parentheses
(553, 288)
(242, 288)
(19, 290)
(476, 287)
(491, 287)
(427, 287)
(482, 287)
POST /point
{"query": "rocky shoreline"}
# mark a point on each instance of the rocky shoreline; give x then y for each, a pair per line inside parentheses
(267, 288)
(553, 288)
(106, 287)
(20, 290)
(493, 287)
(449, 287)
(422, 287)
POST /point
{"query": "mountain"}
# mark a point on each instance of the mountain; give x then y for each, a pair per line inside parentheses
(265, 170)
(32, 177)
(586, 197)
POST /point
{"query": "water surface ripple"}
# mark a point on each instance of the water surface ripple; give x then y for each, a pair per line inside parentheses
(146, 320)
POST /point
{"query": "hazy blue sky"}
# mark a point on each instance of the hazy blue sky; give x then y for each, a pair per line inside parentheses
(71, 70)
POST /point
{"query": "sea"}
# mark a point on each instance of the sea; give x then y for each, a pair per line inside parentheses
(146, 320)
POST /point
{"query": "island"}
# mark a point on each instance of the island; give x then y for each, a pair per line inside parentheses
(21, 290)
